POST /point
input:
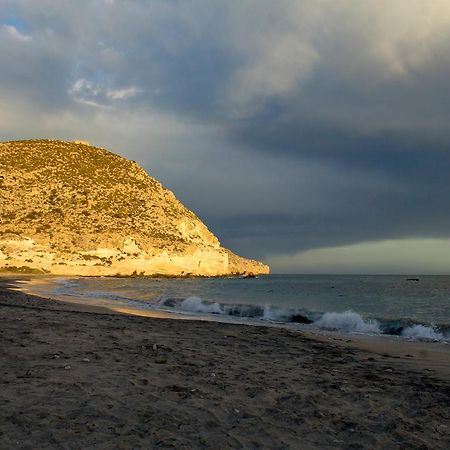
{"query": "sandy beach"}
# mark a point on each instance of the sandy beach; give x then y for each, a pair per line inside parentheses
(74, 377)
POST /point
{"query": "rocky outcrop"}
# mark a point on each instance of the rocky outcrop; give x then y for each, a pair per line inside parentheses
(243, 266)
(73, 209)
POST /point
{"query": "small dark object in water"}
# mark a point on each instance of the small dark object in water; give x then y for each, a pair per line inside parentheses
(299, 318)
(412, 279)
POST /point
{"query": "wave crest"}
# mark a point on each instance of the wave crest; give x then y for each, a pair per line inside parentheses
(423, 332)
(197, 305)
(348, 321)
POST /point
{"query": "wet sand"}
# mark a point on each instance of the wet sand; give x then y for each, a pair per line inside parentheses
(79, 378)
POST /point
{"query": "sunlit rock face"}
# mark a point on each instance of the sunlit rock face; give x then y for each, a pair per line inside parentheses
(68, 208)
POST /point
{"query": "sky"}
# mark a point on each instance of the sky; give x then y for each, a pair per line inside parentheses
(311, 134)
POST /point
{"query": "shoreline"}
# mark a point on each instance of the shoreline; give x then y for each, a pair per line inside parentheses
(415, 354)
(32, 288)
(98, 379)
(423, 353)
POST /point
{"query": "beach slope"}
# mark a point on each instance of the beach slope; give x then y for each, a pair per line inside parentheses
(80, 379)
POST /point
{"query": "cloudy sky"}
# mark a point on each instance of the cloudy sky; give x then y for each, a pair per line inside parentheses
(312, 134)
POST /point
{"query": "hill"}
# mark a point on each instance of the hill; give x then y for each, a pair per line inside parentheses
(69, 208)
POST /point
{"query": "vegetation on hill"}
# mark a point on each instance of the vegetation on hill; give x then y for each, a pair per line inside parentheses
(71, 198)
(83, 195)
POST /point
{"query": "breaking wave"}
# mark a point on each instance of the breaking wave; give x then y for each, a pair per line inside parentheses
(196, 305)
(347, 321)
(423, 332)
(352, 322)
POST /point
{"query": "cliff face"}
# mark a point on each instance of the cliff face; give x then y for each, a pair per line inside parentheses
(73, 209)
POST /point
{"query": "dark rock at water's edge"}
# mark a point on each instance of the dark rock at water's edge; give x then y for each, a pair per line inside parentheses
(394, 331)
(299, 318)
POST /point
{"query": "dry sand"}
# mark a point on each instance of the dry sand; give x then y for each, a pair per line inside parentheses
(77, 379)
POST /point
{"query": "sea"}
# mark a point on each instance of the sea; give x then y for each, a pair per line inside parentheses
(414, 308)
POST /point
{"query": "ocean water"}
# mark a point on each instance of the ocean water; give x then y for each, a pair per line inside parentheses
(395, 305)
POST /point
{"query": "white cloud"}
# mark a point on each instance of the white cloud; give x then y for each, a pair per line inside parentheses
(122, 94)
(379, 39)
(97, 95)
(84, 87)
(12, 32)
(359, 42)
(278, 68)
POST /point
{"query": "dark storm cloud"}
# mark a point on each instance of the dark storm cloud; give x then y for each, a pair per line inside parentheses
(31, 69)
(312, 123)
(397, 133)
(364, 216)
(399, 154)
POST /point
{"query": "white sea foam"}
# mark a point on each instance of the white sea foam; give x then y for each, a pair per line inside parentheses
(276, 314)
(197, 305)
(348, 321)
(423, 332)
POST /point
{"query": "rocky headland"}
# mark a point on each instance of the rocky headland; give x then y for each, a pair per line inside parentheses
(68, 208)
